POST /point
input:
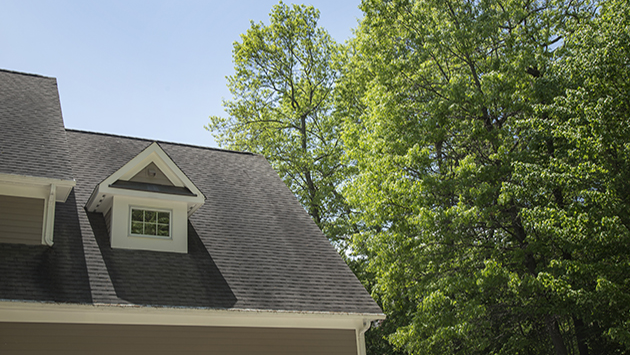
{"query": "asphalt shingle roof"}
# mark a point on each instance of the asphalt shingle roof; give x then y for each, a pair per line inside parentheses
(33, 139)
(250, 246)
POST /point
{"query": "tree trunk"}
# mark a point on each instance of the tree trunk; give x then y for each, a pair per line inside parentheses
(580, 330)
(313, 208)
(554, 333)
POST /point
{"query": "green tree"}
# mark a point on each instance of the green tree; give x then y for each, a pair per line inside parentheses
(282, 108)
(491, 144)
(573, 187)
(349, 103)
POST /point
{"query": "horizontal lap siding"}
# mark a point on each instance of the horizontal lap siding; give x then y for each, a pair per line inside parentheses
(36, 338)
(21, 220)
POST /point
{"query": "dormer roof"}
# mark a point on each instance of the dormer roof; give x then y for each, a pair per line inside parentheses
(150, 174)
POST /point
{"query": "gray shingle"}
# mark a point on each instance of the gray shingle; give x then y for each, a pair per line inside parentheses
(250, 246)
(33, 135)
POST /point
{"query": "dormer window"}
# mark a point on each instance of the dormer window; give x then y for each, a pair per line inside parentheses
(150, 223)
(147, 202)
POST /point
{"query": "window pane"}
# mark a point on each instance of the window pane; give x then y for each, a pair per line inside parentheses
(136, 215)
(163, 230)
(163, 217)
(136, 228)
(150, 229)
(150, 216)
(154, 223)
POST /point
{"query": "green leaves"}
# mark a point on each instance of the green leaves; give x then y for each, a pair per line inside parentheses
(282, 108)
(475, 156)
(490, 140)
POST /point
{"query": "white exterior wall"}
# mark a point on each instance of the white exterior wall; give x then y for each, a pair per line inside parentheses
(120, 225)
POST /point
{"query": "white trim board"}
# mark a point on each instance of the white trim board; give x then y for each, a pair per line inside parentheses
(34, 312)
(34, 187)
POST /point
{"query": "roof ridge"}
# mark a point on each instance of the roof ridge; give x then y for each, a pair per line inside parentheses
(160, 141)
(28, 74)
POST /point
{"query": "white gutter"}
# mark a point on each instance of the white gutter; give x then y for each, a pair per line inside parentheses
(361, 336)
(38, 312)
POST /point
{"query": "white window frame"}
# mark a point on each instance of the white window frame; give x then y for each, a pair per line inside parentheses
(143, 208)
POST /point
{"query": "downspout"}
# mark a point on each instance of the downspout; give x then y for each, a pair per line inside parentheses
(49, 222)
(361, 337)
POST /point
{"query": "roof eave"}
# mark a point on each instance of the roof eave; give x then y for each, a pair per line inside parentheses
(63, 187)
(39, 312)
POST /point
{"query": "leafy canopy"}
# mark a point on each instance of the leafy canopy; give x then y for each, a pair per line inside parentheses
(491, 144)
(282, 108)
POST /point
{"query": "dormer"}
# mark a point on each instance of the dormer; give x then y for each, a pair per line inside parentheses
(147, 202)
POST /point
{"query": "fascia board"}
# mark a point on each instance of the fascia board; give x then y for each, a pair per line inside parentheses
(180, 174)
(34, 312)
(194, 209)
(25, 183)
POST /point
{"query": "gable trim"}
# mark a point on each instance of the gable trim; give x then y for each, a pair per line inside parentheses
(156, 155)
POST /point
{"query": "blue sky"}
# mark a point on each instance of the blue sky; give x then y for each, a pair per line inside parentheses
(151, 69)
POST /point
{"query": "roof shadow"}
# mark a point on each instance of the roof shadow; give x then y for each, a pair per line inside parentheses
(42, 273)
(161, 278)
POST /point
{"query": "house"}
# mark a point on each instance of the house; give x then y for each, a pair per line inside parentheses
(112, 244)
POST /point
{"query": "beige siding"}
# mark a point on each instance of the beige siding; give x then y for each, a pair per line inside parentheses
(36, 338)
(159, 178)
(21, 220)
